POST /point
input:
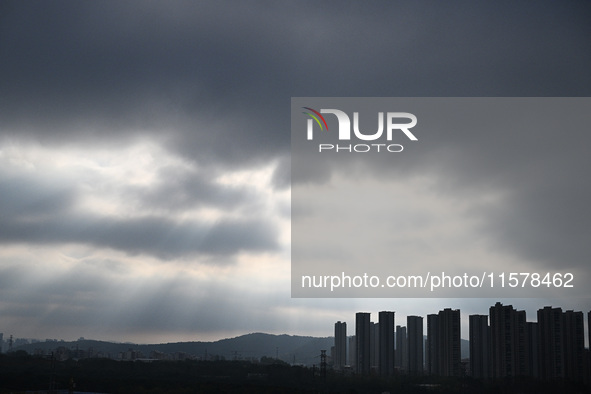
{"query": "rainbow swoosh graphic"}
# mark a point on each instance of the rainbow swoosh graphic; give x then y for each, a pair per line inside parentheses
(315, 116)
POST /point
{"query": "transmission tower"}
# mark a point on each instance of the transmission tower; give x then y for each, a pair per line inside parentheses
(323, 364)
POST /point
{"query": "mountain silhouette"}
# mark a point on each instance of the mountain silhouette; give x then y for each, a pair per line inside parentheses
(293, 349)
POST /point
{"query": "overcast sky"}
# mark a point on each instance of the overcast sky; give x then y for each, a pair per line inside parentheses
(145, 149)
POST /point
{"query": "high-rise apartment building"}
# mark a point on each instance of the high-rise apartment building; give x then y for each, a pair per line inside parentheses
(508, 341)
(362, 343)
(574, 345)
(532, 350)
(414, 325)
(386, 343)
(401, 352)
(551, 350)
(374, 349)
(443, 352)
(340, 345)
(589, 351)
(432, 346)
(479, 346)
(353, 352)
(449, 352)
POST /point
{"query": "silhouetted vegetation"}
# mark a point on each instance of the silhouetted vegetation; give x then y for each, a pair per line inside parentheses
(21, 372)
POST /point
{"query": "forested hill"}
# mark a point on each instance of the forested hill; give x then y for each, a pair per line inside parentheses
(289, 348)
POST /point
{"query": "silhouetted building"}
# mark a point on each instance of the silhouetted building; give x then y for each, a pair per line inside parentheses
(401, 353)
(532, 350)
(332, 356)
(414, 325)
(432, 346)
(589, 352)
(574, 345)
(386, 342)
(374, 350)
(507, 330)
(443, 343)
(521, 327)
(562, 344)
(340, 345)
(550, 324)
(450, 352)
(353, 352)
(480, 347)
(362, 342)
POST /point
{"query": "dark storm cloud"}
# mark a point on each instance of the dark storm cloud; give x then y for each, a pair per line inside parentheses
(217, 77)
(74, 71)
(212, 81)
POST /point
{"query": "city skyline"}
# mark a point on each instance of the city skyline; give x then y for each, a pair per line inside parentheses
(502, 345)
(145, 187)
(441, 324)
